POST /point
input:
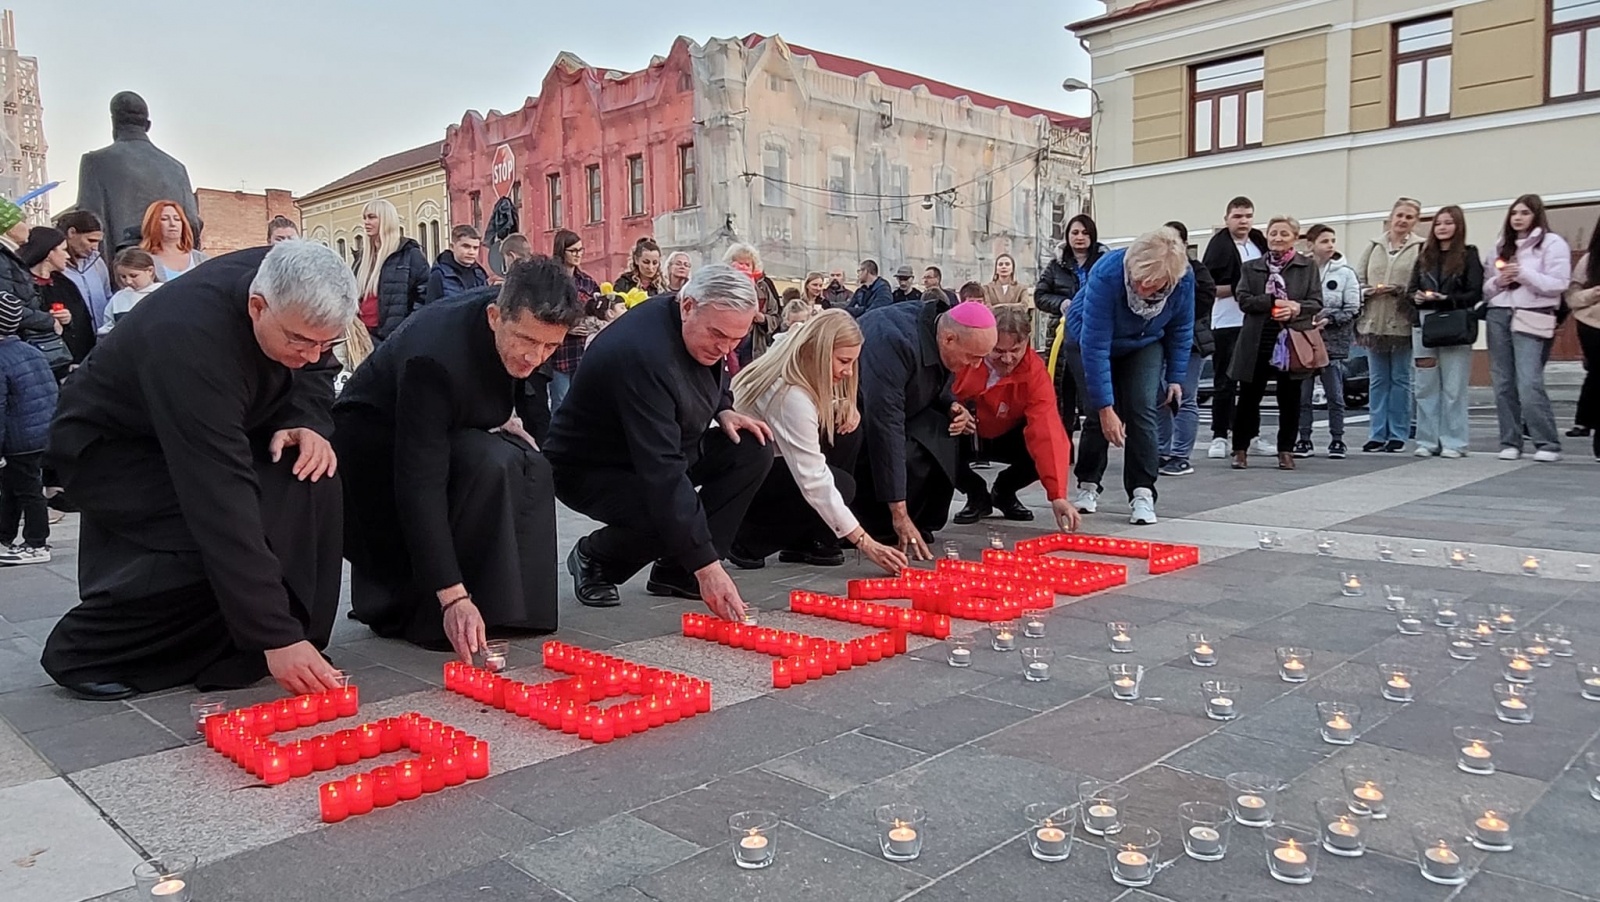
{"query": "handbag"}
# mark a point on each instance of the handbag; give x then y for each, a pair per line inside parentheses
(1538, 323)
(54, 349)
(1307, 351)
(1449, 328)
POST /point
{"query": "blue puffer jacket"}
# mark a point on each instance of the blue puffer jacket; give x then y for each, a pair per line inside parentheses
(27, 396)
(1100, 324)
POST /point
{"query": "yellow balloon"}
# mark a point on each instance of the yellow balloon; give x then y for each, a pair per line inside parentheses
(606, 288)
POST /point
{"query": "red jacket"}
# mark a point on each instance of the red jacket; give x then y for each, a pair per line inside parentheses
(1026, 397)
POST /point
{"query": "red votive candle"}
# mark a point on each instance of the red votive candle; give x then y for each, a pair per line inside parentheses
(829, 663)
(324, 754)
(331, 799)
(369, 740)
(621, 723)
(477, 755)
(586, 723)
(432, 774)
(408, 779)
(359, 793)
(638, 717)
(327, 708)
(390, 736)
(454, 768)
(780, 674)
(569, 719)
(671, 710)
(702, 697)
(347, 701)
(274, 768)
(899, 641)
(345, 747)
(385, 791)
(263, 719)
(305, 710)
(283, 716)
(858, 652)
(603, 732)
(299, 755)
(654, 710)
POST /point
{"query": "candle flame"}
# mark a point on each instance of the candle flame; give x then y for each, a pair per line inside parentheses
(1293, 846)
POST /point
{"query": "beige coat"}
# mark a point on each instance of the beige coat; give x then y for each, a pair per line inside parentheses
(1387, 314)
(1585, 302)
(996, 294)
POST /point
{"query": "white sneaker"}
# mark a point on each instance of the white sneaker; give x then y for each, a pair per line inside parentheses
(1219, 449)
(1261, 447)
(1142, 507)
(1422, 452)
(1547, 457)
(1510, 453)
(21, 554)
(1452, 454)
(1086, 499)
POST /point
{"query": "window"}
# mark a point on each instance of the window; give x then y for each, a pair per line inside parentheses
(342, 254)
(1574, 49)
(986, 207)
(1227, 108)
(688, 188)
(774, 83)
(477, 208)
(636, 185)
(553, 186)
(942, 211)
(516, 195)
(774, 175)
(838, 183)
(591, 179)
(899, 192)
(1422, 70)
(433, 237)
(1058, 218)
(1022, 211)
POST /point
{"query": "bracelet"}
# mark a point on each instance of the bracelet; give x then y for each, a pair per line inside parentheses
(454, 601)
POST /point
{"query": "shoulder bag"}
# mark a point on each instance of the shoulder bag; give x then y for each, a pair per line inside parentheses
(1307, 352)
(1449, 328)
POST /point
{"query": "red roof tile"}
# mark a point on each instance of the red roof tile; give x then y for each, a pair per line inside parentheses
(389, 165)
(853, 68)
(1128, 12)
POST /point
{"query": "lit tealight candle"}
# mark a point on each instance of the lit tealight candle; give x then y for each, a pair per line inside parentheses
(1530, 566)
(1397, 688)
(1442, 864)
(753, 847)
(1491, 831)
(1050, 840)
(1203, 655)
(1100, 818)
(1342, 836)
(1337, 730)
(1291, 862)
(170, 889)
(1220, 708)
(1205, 840)
(902, 839)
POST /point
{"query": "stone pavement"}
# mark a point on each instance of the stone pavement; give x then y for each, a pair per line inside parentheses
(86, 787)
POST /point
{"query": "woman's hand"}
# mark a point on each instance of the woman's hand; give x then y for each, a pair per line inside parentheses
(892, 560)
(61, 315)
(851, 422)
(1283, 311)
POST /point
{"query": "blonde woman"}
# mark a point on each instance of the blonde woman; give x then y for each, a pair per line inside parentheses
(804, 388)
(1384, 326)
(391, 271)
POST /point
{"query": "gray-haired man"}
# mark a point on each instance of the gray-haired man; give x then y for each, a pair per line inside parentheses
(208, 554)
(631, 442)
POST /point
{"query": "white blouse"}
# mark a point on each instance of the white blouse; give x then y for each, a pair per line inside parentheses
(797, 431)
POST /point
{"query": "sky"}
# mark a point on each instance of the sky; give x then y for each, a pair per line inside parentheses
(296, 93)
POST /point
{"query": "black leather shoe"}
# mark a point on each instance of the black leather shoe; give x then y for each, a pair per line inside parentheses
(745, 560)
(101, 692)
(977, 508)
(589, 581)
(1012, 509)
(822, 554)
(670, 582)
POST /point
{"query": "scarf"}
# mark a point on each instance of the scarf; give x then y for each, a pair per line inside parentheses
(1145, 308)
(1275, 264)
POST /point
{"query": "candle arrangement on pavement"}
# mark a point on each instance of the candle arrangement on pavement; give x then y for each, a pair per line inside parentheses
(801, 658)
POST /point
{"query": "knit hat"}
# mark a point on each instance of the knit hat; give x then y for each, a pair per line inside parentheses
(10, 215)
(10, 314)
(41, 241)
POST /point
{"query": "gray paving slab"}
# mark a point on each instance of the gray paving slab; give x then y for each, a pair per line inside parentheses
(55, 848)
(947, 723)
(1070, 678)
(19, 763)
(19, 664)
(1562, 820)
(1223, 753)
(1098, 737)
(494, 881)
(36, 592)
(1012, 873)
(838, 765)
(1324, 627)
(1490, 887)
(83, 744)
(43, 707)
(1427, 729)
(887, 689)
(594, 858)
(701, 814)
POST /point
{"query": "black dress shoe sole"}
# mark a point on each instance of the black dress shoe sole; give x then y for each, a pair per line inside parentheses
(101, 692)
(746, 563)
(812, 559)
(670, 590)
(590, 595)
(966, 517)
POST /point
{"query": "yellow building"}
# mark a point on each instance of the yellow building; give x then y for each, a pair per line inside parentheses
(1328, 110)
(412, 180)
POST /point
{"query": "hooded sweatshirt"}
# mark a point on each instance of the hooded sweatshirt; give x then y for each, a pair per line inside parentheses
(1341, 304)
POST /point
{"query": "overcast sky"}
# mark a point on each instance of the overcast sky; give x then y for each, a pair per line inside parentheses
(296, 93)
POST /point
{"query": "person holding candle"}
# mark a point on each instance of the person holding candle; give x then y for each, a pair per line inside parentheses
(913, 426)
(634, 444)
(449, 506)
(1532, 267)
(1018, 423)
(1384, 326)
(193, 441)
(802, 509)
(1128, 335)
(1449, 276)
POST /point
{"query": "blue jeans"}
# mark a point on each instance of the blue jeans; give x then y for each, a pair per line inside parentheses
(1135, 379)
(1332, 377)
(1516, 367)
(1178, 430)
(1442, 396)
(1390, 403)
(559, 383)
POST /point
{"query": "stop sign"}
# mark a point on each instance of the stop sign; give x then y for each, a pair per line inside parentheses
(503, 172)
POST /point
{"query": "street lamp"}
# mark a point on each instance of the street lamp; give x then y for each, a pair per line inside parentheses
(1073, 86)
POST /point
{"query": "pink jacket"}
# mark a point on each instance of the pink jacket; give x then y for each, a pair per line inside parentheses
(1546, 272)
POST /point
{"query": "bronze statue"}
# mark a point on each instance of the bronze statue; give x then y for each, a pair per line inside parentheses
(118, 181)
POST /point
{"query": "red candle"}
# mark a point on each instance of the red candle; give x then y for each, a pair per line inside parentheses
(477, 757)
(385, 791)
(369, 741)
(432, 774)
(264, 720)
(347, 701)
(638, 717)
(275, 768)
(797, 670)
(358, 791)
(604, 731)
(454, 768)
(858, 652)
(655, 712)
(671, 709)
(390, 735)
(899, 641)
(299, 755)
(283, 716)
(408, 780)
(569, 719)
(327, 707)
(324, 755)
(621, 722)
(331, 799)
(305, 710)
(702, 697)
(345, 748)
(586, 723)
(497, 692)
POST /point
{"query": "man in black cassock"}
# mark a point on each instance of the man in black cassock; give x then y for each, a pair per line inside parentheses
(208, 554)
(648, 418)
(450, 517)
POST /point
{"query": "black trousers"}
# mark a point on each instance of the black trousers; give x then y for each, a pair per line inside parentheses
(780, 518)
(1066, 393)
(1247, 415)
(928, 494)
(1589, 398)
(148, 617)
(22, 501)
(727, 474)
(502, 510)
(1136, 387)
(1223, 386)
(1008, 448)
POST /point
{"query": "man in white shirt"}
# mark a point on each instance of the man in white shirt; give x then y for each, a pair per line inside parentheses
(1229, 249)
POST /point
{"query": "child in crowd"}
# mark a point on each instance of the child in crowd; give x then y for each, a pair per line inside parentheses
(27, 403)
(136, 273)
(795, 312)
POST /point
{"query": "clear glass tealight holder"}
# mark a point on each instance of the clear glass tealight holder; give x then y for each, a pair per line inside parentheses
(494, 655)
(1441, 853)
(900, 831)
(1221, 699)
(1125, 680)
(1351, 585)
(1558, 637)
(1294, 664)
(1344, 832)
(1033, 624)
(1291, 853)
(1460, 644)
(1446, 613)
(1538, 651)
(1003, 635)
(1398, 682)
(1366, 791)
(1393, 594)
(1385, 550)
(1326, 544)
(1338, 722)
(1119, 635)
(1475, 748)
(1504, 617)
(1515, 665)
(205, 706)
(1513, 702)
(1591, 763)
(1135, 856)
(1458, 556)
(997, 539)
(1036, 664)
(1532, 564)
(1253, 798)
(1205, 830)
(1267, 539)
(1050, 830)
(166, 877)
(1490, 820)
(754, 838)
(1202, 650)
(1100, 807)
(952, 550)
(958, 650)
(1407, 618)
(1589, 681)
(1481, 624)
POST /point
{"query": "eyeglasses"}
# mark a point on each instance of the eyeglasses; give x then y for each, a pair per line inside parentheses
(302, 343)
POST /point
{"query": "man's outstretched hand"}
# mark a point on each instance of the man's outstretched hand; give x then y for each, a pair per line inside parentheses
(316, 453)
(718, 591)
(300, 669)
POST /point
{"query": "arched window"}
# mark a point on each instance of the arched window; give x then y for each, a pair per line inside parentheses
(433, 229)
(342, 254)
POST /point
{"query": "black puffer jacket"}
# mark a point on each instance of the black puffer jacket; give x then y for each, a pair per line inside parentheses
(18, 280)
(1058, 285)
(402, 285)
